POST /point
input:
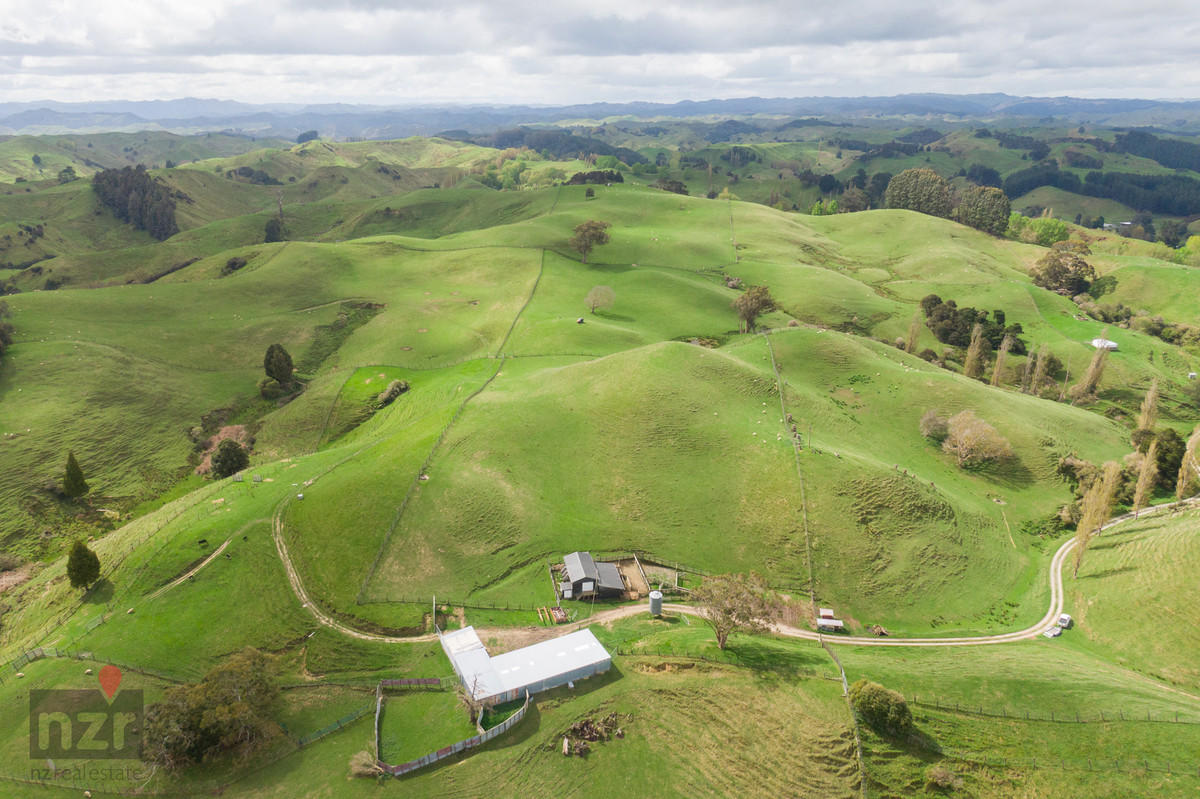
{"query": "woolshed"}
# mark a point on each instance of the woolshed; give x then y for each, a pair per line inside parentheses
(503, 678)
(586, 578)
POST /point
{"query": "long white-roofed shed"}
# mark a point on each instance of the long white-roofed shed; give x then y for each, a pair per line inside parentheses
(549, 664)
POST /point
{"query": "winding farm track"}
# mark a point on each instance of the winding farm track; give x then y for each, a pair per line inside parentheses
(1052, 613)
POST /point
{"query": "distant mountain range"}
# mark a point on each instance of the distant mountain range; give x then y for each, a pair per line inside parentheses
(337, 120)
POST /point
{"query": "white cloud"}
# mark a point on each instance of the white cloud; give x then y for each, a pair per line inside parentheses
(604, 50)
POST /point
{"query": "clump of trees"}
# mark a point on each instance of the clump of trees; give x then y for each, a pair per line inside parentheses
(230, 458)
(1040, 369)
(277, 363)
(752, 304)
(232, 265)
(1064, 270)
(273, 231)
(391, 393)
(600, 297)
(973, 442)
(307, 136)
(882, 708)
(921, 190)
(1042, 230)
(982, 175)
(734, 603)
(955, 326)
(229, 711)
(984, 208)
(255, 176)
(673, 186)
(136, 198)
(588, 236)
(83, 565)
(599, 177)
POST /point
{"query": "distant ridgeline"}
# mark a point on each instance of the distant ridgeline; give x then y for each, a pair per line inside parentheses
(138, 199)
(557, 143)
(1177, 195)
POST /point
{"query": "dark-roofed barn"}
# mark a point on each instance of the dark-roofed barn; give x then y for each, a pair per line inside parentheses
(586, 578)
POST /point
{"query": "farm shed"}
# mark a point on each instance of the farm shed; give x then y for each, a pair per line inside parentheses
(540, 667)
(1104, 344)
(826, 623)
(586, 577)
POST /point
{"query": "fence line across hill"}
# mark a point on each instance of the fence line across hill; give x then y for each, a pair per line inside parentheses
(428, 602)
(412, 488)
(1064, 717)
(1120, 765)
(352, 716)
(43, 653)
(112, 559)
(728, 658)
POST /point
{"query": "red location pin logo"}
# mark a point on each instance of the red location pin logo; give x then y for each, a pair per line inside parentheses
(110, 680)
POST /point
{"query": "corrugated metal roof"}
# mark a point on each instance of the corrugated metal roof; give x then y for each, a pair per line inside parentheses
(522, 667)
(549, 659)
(580, 566)
(610, 576)
(472, 662)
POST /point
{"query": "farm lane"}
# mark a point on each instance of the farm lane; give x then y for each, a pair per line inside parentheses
(1055, 609)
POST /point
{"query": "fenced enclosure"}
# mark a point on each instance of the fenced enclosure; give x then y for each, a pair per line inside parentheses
(447, 751)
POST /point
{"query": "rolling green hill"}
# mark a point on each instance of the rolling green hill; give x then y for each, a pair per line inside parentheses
(533, 427)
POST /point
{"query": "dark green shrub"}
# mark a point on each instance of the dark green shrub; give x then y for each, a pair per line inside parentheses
(229, 458)
(270, 389)
(881, 708)
(83, 566)
(232, 265)
(73, 483)
(278, 364)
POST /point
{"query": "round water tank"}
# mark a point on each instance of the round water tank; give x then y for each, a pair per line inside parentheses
(656, 603)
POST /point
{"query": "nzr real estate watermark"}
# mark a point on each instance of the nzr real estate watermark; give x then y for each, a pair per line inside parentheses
(96, 724)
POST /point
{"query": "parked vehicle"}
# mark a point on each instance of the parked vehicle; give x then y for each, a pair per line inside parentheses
(1053, 632)
(1064, 621)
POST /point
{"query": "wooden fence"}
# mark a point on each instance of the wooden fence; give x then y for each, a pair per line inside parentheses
(448, 751)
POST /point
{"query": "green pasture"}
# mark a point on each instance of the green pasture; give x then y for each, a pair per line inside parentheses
(688, 730)
(900, 535)
(1133, 599)
(653, 425)
(1005, 757)
(517, 493)
(415, 723)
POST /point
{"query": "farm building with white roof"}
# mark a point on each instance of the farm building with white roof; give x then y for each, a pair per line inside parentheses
(503, 678)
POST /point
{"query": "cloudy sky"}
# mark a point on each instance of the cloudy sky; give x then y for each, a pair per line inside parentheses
(522, 51)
